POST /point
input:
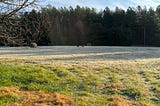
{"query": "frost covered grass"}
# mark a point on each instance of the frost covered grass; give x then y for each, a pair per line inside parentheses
(91, 76)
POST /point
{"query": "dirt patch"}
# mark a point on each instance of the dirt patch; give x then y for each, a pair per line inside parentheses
(36, 98)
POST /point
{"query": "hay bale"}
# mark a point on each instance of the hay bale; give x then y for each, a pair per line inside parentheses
(33, 45)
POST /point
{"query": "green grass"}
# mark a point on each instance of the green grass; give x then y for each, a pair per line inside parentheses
(8, 98)
(87, 86)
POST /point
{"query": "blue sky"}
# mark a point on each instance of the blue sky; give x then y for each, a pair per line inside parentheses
(101, 4)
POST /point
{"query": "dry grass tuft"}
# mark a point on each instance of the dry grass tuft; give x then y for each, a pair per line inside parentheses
(117, 101)
(36, 98)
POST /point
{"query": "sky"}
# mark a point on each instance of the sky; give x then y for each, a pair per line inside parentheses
(101, 4)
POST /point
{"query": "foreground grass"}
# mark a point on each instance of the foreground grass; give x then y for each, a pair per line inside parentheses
(86, 86)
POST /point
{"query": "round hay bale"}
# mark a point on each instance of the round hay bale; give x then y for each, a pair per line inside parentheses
(33, 45)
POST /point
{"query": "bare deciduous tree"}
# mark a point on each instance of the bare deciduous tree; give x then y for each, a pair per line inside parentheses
(9, 23)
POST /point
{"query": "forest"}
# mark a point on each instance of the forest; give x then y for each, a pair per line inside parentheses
(136, 26)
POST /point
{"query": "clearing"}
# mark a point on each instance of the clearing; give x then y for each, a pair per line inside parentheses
(80, 76)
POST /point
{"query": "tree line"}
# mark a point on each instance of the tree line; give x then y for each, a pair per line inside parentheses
(85, 26)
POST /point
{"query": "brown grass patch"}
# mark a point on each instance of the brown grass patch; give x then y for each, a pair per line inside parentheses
(36, 98)
(117, 101)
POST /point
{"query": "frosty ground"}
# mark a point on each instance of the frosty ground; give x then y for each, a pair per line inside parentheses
(93, 75)
(73, 53)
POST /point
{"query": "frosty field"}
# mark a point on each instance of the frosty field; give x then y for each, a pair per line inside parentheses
(53, 54)
(88, 76)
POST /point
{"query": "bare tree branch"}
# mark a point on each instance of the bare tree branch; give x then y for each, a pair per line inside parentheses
(10, 27)
(13, 6)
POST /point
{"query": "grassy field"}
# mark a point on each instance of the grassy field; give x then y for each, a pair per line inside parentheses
(71, 76)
